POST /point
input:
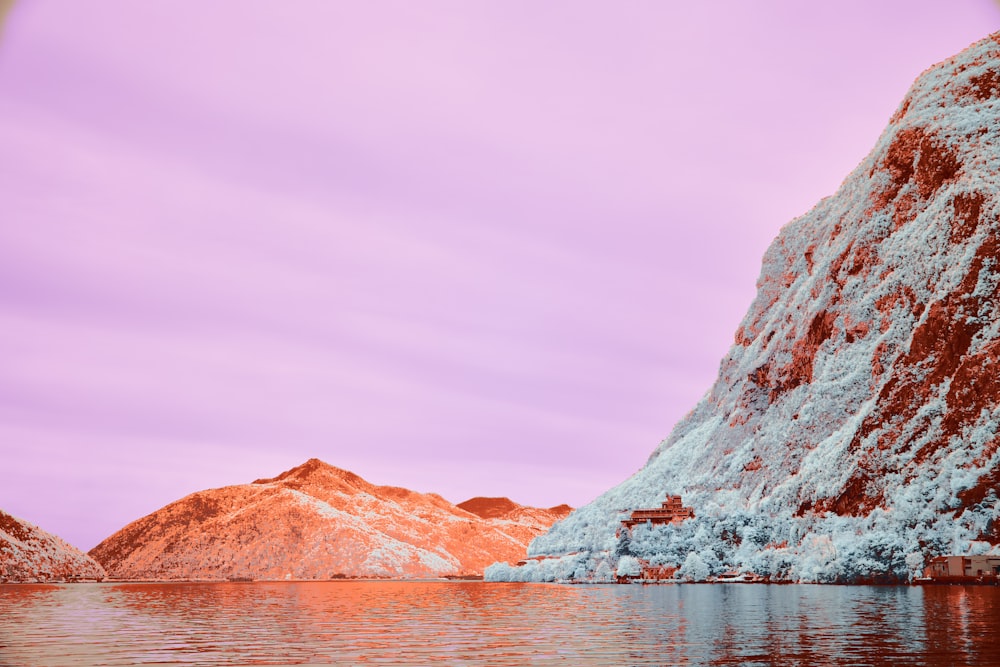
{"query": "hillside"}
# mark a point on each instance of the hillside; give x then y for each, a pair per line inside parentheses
(852, 432)
(314, 521)
(30, 554)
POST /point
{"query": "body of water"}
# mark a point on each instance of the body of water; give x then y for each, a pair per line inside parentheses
(476, 623)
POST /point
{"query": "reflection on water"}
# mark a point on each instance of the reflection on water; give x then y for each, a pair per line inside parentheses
(473, 623)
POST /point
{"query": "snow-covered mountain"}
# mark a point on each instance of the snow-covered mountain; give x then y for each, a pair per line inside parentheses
(852, 432)
(30, 554)
(316, 521)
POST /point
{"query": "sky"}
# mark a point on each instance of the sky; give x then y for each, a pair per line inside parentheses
(489, 248)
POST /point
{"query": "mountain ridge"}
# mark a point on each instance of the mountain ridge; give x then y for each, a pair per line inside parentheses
(314, 521)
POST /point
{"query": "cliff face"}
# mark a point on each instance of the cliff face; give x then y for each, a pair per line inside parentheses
(29, 554)
(853, 428)
(315, 522)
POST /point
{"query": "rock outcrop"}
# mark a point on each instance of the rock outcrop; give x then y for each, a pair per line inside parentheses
(316, 521)
(30, 554)
(854, 428)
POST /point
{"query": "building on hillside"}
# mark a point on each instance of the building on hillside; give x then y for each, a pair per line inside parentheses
(658, 573)
(649, 574)
(963, 569)
(671, 511)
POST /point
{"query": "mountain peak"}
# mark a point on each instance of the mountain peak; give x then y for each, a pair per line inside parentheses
(505, 509)
(315, 470)
(489, 508)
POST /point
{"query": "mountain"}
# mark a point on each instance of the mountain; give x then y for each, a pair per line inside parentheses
(852, 432)
(29, 554)
(507, 509)
(316, 521)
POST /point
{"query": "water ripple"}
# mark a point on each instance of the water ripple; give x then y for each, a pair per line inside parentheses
(473, 623)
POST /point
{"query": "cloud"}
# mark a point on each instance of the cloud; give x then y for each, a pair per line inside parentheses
(427, 247)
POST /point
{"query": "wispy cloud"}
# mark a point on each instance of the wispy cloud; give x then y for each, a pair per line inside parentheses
(498, 249)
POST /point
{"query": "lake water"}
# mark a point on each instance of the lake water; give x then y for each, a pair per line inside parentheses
(476, 623)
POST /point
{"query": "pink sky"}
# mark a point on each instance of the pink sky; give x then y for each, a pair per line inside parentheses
(492, 248)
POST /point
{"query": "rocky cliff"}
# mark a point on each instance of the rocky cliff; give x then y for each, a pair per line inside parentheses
(29, 554)
(316, 522)
(852, 432)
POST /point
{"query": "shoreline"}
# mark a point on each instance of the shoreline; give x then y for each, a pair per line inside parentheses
(957, 581)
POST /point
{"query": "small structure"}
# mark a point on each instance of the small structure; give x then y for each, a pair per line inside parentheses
(963, 569)
(672, 511)
(658, 573)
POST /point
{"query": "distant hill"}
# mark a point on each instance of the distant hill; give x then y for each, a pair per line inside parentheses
(30, 554)
(505, 508)
(317, 521)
